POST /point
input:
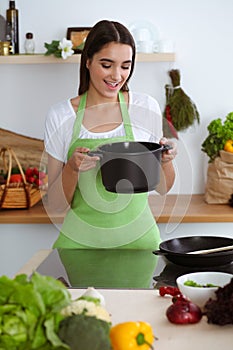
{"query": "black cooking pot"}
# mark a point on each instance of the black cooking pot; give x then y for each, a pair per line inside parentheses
(176, 250)
(130, 167)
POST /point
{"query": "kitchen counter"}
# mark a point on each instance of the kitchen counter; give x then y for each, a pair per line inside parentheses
(170, 208)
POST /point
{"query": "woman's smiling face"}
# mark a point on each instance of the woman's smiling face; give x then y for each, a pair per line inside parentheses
(110, 68)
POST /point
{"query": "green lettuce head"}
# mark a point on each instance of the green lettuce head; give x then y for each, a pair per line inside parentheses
(30, 312)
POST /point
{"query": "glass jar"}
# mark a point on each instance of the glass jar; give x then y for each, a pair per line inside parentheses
(29, 44)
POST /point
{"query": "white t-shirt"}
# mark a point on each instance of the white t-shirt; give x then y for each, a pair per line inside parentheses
(145, 118)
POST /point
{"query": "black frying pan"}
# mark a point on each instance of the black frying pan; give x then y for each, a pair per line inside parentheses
(176, 250)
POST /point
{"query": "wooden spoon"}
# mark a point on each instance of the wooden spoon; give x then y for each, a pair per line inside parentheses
(212, 250)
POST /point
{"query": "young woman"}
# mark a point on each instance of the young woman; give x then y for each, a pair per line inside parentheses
(105, 111)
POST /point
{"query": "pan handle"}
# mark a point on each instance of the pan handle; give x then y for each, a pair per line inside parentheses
(159, 252)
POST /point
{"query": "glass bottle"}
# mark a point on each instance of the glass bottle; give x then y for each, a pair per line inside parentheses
(2, 28)
(29, 44)
(12, 27)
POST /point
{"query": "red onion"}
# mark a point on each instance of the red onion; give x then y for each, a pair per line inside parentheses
(183, 312)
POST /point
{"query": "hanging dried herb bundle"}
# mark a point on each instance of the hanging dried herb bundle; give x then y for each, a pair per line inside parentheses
(180, 111)
(168, 127)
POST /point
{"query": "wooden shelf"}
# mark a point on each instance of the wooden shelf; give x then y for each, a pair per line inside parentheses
(170, 208)
(155, 57)
(42, 59)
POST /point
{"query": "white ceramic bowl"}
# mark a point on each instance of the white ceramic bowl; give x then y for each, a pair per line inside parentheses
(200, 295)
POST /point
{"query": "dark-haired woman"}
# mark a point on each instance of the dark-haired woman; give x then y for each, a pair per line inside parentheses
(105, 111)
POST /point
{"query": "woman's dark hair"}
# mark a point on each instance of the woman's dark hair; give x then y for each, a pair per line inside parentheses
(102, 33)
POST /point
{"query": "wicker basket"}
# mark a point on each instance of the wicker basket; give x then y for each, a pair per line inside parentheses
(17, 195)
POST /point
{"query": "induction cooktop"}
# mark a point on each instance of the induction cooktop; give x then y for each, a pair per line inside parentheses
(128, 269)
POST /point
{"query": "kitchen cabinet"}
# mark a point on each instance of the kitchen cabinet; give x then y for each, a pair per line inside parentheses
(42, 59)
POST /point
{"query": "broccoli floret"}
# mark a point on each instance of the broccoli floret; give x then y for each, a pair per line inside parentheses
(85, 332)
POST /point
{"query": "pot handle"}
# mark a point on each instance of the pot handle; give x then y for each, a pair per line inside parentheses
(159, 252)
(166, 148)
(95, 154)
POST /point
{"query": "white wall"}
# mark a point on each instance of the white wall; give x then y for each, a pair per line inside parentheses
(201, 30)
(19, 243)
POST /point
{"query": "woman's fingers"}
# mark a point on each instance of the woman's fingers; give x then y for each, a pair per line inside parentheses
(170, 154)
(80, 161)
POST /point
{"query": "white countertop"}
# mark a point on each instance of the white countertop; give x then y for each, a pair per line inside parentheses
(147, 305)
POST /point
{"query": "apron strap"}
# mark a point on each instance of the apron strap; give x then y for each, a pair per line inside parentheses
(125, 117)
(83, 102)
(79, 118)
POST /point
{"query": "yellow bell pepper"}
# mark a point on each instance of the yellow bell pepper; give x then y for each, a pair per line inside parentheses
(131, 336)
(228, 147)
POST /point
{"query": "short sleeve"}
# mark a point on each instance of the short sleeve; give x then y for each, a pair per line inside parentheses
(58, 131)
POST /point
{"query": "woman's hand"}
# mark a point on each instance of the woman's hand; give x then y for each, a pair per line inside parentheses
(170, 154)
(167, 176)
(80, 161)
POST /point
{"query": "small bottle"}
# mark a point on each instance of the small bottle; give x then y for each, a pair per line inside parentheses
(29, 44)
(12, 27)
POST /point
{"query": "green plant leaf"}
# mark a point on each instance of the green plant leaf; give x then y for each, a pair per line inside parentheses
(52, 48)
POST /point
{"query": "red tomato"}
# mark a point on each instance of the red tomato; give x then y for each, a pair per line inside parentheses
(31, 179)
(35, 172)
(28, 172)
(16, 178)
(168, 290)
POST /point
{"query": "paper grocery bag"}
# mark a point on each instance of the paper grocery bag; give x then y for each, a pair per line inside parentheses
(219, 185)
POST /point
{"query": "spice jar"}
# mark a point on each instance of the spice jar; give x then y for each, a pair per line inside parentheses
(29, 44)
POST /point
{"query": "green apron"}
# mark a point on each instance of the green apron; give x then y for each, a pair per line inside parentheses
(99, 219)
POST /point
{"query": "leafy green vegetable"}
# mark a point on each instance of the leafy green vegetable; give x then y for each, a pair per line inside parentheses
(219, 133)
(191, 283)
(30, 312)
(85, 332)
(15, 170)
